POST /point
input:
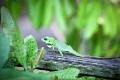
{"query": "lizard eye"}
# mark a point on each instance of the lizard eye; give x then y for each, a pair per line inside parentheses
(45, 39)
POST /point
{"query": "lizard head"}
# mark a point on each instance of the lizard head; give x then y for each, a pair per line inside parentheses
(49, 41)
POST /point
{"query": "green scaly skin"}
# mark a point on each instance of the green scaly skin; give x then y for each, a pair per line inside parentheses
(62, 47)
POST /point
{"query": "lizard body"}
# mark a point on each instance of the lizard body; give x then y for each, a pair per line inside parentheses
(62, 47)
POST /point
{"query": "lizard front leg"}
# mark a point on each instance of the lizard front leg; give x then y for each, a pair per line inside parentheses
(60, 53)
(53, 47)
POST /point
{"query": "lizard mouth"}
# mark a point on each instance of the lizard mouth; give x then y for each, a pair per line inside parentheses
(49, 44)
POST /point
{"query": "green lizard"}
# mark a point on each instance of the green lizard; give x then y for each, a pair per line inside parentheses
(62, 47)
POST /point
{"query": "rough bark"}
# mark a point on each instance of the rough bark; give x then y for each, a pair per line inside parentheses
(89, 66)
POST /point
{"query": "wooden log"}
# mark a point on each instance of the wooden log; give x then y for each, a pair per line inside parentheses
(89, 66)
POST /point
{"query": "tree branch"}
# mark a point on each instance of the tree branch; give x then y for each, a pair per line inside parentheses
(89, 66)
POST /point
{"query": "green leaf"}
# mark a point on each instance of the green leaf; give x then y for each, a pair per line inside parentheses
(39, 57)
(31, 49)
(12, 74)
(4, 49)
(69, 73)
(14, 36)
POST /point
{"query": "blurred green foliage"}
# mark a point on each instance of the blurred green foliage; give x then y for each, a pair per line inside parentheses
(89, 20)
(15, 7)
(93, 24)
(40, 10)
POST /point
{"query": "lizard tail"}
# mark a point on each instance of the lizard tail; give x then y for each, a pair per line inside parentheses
(77, 54)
